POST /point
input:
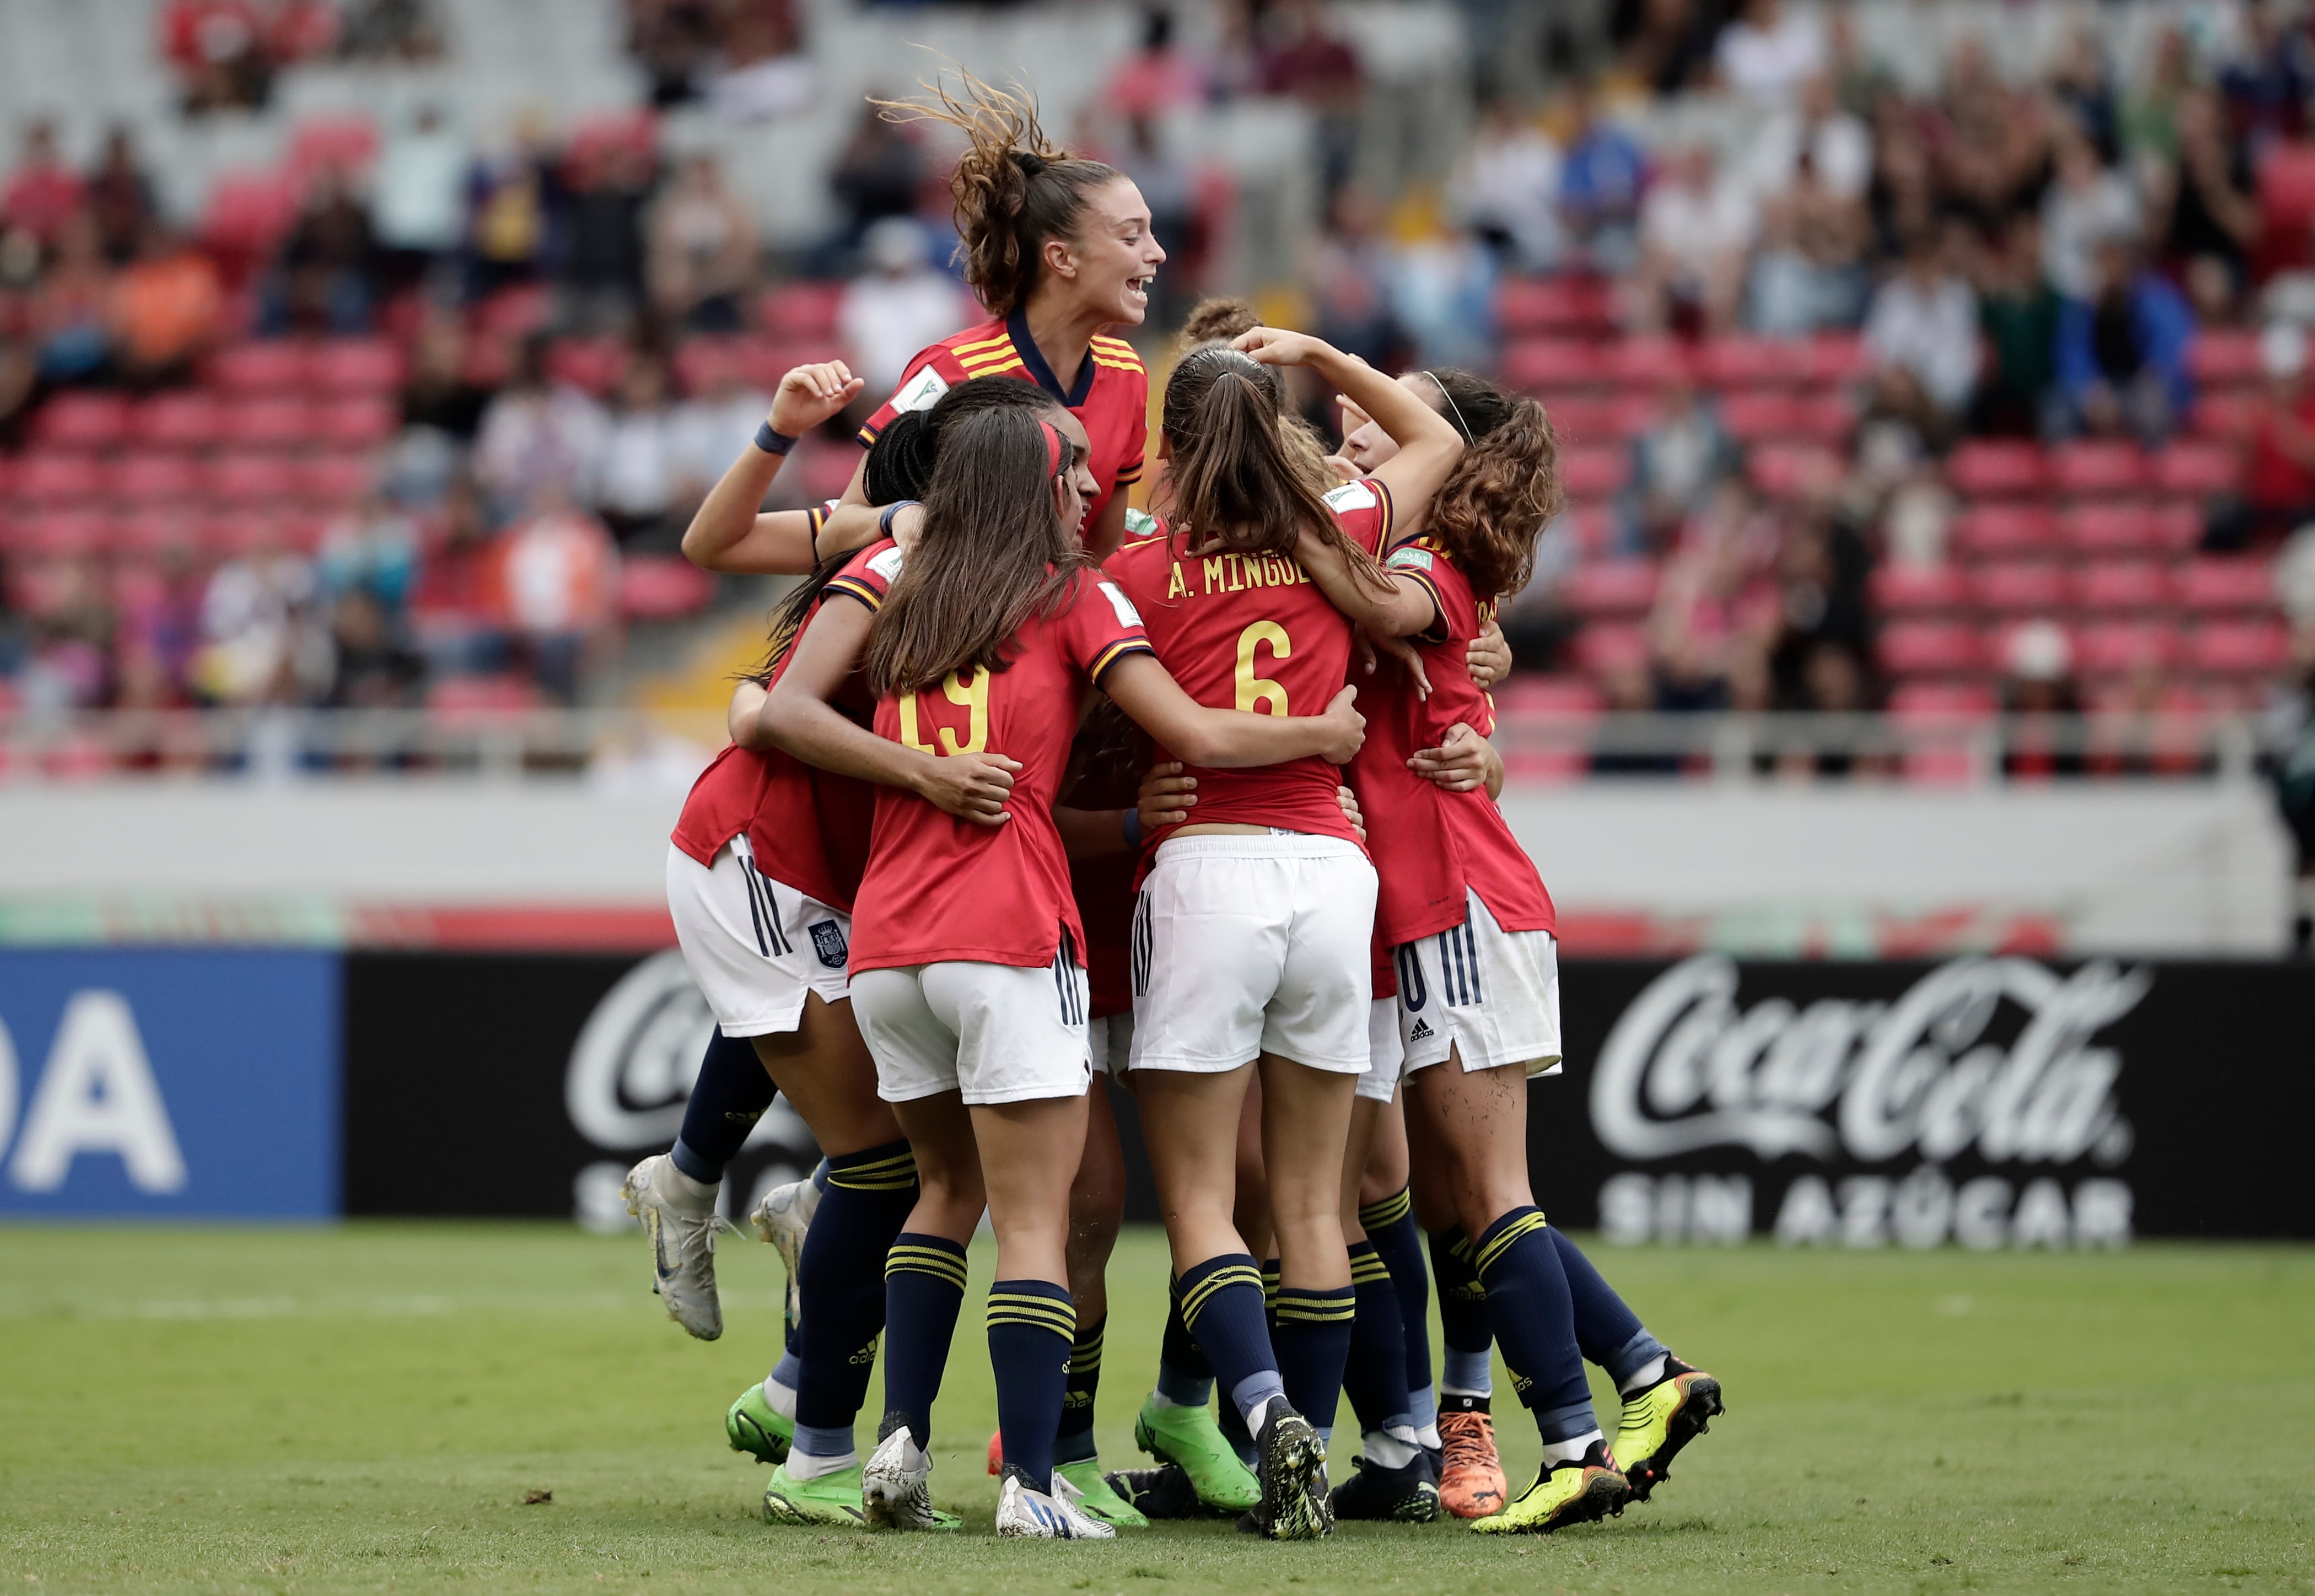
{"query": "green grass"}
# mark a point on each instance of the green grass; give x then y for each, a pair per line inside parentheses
(366, 1408)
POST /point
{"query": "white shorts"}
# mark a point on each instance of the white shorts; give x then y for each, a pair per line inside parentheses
(755, 946)
(1252, 944)
(994, 1032)
(1492, 994)
(1385, 1053)
(1108, 1043)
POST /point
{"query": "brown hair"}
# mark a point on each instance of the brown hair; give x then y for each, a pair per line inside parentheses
(1505, 489)
(1214, 320)
(992, 557)
(1013, 188)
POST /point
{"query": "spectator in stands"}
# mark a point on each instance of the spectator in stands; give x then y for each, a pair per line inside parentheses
(258, 623)
(602, 268)
(43, 192)
(717, 421)
(1713, 604)
(1350, 278)
(2150, 113)
(437, 395)
(419, 195)
(1809, 274)
(1768, 51)
(2268, 82)
(1902, 197)
(2084, 203)
(2077, 80)
(391, 30)
(880, 173)
(1600, 184)
(2278, 491)
(1696, 227)
(73, 627)
(1303, 55)
(1916, 517)
(372, 549)
(2018, 310)
(897, 307)
(121, 196)
(2040, 696)
(1443, 294)
(19, 380)
(632, 476)
(2203, 212)
(673, 40)
(535, 436)
(167, 307)
(1667, 44)
(1506, 188)
(1678, 462)
(372, 664)
(1822, 566)
(1813, 128)
(703, 250)
(218, 49)
(759, 70)
(302, 30)
(326, 277)
(1924, 319)
(459, 611)
(1899, 429)
(1157, 79)
(1169, 188)
(558, 572)
(508, 197)
(72, 308)
(2122, 355)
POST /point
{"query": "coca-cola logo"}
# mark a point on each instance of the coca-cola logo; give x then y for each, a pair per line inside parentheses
(1687, 1068)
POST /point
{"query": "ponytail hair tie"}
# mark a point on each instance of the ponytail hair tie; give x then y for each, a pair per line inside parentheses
(1030, 163)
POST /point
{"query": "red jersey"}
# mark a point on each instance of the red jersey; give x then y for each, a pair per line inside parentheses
(1111, 395)
(939, 888)
(1252, 632)
(807, 828)
(1429, 844)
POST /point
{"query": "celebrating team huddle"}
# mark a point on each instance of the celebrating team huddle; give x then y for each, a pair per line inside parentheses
(1032, 787)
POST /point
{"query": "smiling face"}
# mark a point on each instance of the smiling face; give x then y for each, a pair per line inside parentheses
(1365, 444)
(1077, 487)
(1108, 266)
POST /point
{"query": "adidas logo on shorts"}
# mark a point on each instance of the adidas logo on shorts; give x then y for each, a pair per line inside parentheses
(1422, 1032)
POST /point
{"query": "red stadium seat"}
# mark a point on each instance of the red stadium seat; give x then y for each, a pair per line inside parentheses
(1536, 695)
(2178, 527)
(2112, 585)
(700, 360)
(355, 366)
(591, 365)
(248, 213)
(63, 533)
(2221, 584)
(155, 532)
(270, 367)
(252, 480)
(1781, 469)
(824, 471)
(1823, 418)
(2197, 470)
(2220, 357)
(1942, 698)
(45, 476)
(230, 534)
(1527, 305)
(1749, 362)
(1931, 648)
(1611, 589)
(467, 699)
(1594, 473)
(800, 310)
(192, 419)
(1649, 361)
(1632, 414)
(1600, 648)
(662, 587)
(1985, 468)
(1552, 365)
(355, 422)
(161, 478)
(1939, 724)
(2096, 468)
(2025, 587)
(81, 420)
(271, 423)
(515, 313)
(2115, 648)
(2118, 528)
(343, 144)
(2004, 531)
(1752, 417)
(1583, 418)
(333, 480)
(2239, 648)
(1918, 590)
(1836, 358)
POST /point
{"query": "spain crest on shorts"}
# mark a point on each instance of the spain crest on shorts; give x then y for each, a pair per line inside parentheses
(827, 941)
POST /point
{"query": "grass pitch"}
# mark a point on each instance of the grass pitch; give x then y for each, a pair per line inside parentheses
(367, 1408)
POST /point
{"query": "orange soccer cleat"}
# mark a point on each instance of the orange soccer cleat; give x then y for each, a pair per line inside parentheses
(1471, 1482)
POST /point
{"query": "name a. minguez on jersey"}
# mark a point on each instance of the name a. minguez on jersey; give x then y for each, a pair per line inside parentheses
(1232, 573)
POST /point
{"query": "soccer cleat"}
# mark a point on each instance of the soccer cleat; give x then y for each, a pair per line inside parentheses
(1189, 1439)
(828, 1498)
(1024, 1512)
(1404, 1495)
(1293, 1506)
(1660, 1421)
(754, 1427)
(1573, 1493)
(1164, 1492)
(683, 1247)
(1471, 1482)
(1096, 1499)
(783, 1219)
(895, 1488)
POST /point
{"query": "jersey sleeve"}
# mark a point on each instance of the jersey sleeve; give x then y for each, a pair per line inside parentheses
(869, 575)
(930, 374)
(1363, 510)
(1102, 627)
(1129, 472)
(1427, 566)
(816, 517)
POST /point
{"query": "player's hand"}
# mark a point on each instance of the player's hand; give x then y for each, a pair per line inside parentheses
(1489, 660)
(1402, 650)
(1462, 763)
(1166, 797)
(1280, 346)
(970, 787)
(1346, 725)
(909, 525)
(1350, 802)
(808, 395)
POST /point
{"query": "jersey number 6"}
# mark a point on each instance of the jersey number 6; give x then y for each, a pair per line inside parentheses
(1257, 690)
(973, 696)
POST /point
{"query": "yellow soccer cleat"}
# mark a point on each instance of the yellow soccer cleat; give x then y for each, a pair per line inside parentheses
(1576, 1493)
(1660, 1421)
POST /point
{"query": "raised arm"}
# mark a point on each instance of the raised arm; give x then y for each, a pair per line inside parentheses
(1429, 446)
(727, 533)
(1228, 738)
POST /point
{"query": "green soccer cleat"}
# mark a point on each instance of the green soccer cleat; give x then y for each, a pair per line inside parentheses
(1189, 1438)
(753, 1427)
(1096, 1500)
(1661, 1420)
(1575, 1493)
(830, 1499)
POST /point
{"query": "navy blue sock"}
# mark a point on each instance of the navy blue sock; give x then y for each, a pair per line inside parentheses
(1313, 1339)
(1184, 1376)
(1398, 1240)
(1222, 1303)
(731, 1094)
(1610, 1334)
(1031, 1324)
(864, 1199)
(1074, 1443)
(1533, 1318)
(1462, 1312)
(1270, 1293)
(1375, 1377)
(924, 1288)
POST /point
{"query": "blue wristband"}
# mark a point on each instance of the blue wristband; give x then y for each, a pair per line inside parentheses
(771, 442)
(1133, 828)
(884, 521)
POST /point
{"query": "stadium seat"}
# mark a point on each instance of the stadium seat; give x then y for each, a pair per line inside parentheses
(515, 313)
(191, 419)
(1611, 589)
(823, 470)
(700, 359)
(2239, 648)
(2178, 527)
(1931, 648)
(1779, 469)
(1594, 473)
(1987, 467)
(2005, 531)
(248, 213)
(591, 365)
(1558, 710)
(355, 366)
(273, 366)
(84, 421)
(47, 476)
(270, 423)
(1758, 415)
(1527, 305)
(1600, 648)
(351, 422)
(2088, 467)
(62, 534)
(228, 534)
(1750, 362)
(342, 144)
(1648, 361)
(1918, 590)
(1836, 358)
(2110, 585)
(155, 532)
(1824, 418)
(2226, 417)
(2112, 528)
(2209, 585)
(800, 310)
(252, 481)
(1632, 415)
(1546, 366)
(2222, 357)
(161, 478)
(662, 587)
(458, 700)
(2019, 587)
(335, 479)
(1580, 419)
(1939, 727)
(2114, 648)
(1533, 694)
(2197, 470)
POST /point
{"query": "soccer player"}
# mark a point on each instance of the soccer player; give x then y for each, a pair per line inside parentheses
(1471, 929)
(981, 643)
(1252, 935)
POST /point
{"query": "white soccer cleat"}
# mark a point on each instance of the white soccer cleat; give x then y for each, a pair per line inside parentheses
(896, 1488)
(784, 1219)
(682, 1234)
(1031, 1514)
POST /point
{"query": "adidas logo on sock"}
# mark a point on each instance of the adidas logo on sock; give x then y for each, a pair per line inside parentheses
(1422, 1032)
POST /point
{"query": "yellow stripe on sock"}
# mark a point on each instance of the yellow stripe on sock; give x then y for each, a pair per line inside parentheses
(1194, 1299)
(1502, 1243)
(1366, 1271)
(1388, 1211)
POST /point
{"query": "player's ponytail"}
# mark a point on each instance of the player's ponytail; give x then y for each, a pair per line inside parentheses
(1505, 489)
(993, 556)
(1012, 189)
(1218, 320)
